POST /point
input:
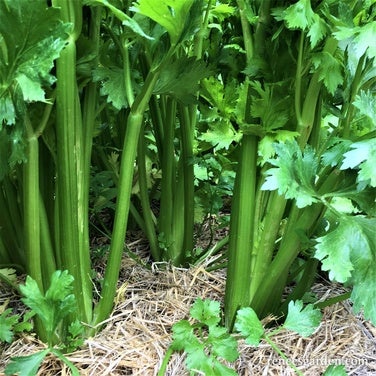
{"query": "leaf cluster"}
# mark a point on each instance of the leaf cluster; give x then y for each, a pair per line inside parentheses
(51, 309)
(205, 341)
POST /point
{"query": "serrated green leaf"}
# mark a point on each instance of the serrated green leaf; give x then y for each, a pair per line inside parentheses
(171, 14)
(363, 276)
(221, 134)
(333, 370)
(333, 156)
(268, 104)
(222, 344)
(7, 110)
(365, 102)
(334, 250)
(26, 365)
(356, 39)
(206, 311)
(112, 85)
(362, 44)
(183, 337)
(181, 79)
(294, 174)
(299, 15)
(248, 325)
(6, 325)
(349, 254)
(305, 320)
(324, 62)
(39, 39)
(199, 361)
(317, 30)
(364, 156)
(223, 99)
(266, 150)
(222, 11)
(57, 303)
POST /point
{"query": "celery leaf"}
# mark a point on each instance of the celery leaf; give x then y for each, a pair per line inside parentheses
(222, 344)
(174, 15)
(248, 325)
(221, 134)
(206, 311)
(56, 304)
(333, 370)
(26, 365)
(363, 155)
(294, 173)
(364, 275)
(349, 254)
(324, 62)
(181, 79)
(6, 325)
(299, 15)
(365, 102)
(183, 336)
(304, 321)
(112, 85)
(37, 39)
(334, 251)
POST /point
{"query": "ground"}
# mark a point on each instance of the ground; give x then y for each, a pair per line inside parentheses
(149, 301)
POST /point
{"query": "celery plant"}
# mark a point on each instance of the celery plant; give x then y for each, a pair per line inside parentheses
(302, 138)
(268, 232)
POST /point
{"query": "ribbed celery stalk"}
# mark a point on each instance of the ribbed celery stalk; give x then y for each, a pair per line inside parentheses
(243, 209)
(31, 206)
(241, 231)
(71, 172)
(132, 134)
(187, 124)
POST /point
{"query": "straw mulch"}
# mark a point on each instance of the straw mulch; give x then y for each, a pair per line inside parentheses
(138, 333)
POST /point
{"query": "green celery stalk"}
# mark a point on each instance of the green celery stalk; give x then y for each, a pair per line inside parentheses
(71, 173)
(31, 206)
(144, 199)
(132, 134)
(241, 231)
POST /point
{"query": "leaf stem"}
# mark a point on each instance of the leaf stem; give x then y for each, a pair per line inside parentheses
(282, 355)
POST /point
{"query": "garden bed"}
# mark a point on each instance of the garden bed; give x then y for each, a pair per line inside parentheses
(148, 302)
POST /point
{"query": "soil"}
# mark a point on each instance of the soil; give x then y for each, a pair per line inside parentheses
(135, 338)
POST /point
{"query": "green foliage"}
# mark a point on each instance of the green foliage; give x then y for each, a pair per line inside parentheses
(6, 325)
(112, 85)
(44, 37)
(26, 365)
(295, 172)
(52, 307)
(348, 252)
(335, 371)
(205, 341)
(178, 17)
(184, 69)
(362, 156)
(29, 365)
(249, 325)
(39, 40)
(11, 324)
(304, 321)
